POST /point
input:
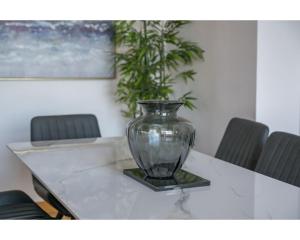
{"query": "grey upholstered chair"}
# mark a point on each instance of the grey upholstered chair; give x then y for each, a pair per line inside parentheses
(280, 158)
(18, 205)
(64, 127)
(242, 142)
(44, 128)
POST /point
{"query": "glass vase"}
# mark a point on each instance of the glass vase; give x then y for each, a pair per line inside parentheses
(159, 140)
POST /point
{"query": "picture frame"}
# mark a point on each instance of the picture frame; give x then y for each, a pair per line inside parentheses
(62, 50)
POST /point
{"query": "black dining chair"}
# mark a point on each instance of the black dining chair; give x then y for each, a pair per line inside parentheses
(242, 142)
(280, 158)
(18, 205)
(59, 127)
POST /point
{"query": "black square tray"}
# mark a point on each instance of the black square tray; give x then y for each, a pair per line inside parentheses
(181, 179)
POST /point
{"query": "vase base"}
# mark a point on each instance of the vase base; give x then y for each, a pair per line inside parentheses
(182, 179)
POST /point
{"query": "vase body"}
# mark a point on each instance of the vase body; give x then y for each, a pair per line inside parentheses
(159, 140)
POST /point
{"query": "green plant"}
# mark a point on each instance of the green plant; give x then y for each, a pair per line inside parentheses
(150, 54)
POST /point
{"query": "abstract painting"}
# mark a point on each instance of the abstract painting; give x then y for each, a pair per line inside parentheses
(56, 49)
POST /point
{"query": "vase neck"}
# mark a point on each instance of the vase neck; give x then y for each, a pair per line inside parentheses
(160, 108)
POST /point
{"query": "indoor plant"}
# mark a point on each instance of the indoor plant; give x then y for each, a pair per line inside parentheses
(148, 59)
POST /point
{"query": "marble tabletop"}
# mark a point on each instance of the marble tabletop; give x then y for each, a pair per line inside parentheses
(85, 175)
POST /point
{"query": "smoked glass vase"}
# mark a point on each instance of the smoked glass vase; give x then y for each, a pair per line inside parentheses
(159, 140)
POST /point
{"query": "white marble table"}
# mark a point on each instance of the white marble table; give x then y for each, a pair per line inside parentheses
(86, 177)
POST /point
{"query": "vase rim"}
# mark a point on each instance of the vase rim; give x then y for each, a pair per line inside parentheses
(163, 102)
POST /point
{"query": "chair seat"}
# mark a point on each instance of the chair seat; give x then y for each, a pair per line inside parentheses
(242, 142)
(22, 211)
(18, 205)
(280, 158)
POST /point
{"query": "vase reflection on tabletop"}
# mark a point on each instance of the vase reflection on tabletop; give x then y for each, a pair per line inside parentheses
(159, 140)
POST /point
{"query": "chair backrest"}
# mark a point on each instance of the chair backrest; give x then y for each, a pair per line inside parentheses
(58, 127)
(242, 142)
(280, 158)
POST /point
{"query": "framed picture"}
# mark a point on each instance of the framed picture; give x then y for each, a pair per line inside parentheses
(56, 49)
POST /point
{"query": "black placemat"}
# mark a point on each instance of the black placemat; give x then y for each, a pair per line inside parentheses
(182, 179)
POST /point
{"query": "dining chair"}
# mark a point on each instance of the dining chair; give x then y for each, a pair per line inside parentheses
(280, 158)
(59, 127)
(16, 204)
(242, 142)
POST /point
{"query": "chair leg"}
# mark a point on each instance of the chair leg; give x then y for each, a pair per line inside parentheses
(59, 215)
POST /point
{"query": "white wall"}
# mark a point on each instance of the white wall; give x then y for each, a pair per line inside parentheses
(21, 100)
(278, 75)
(225, 83)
